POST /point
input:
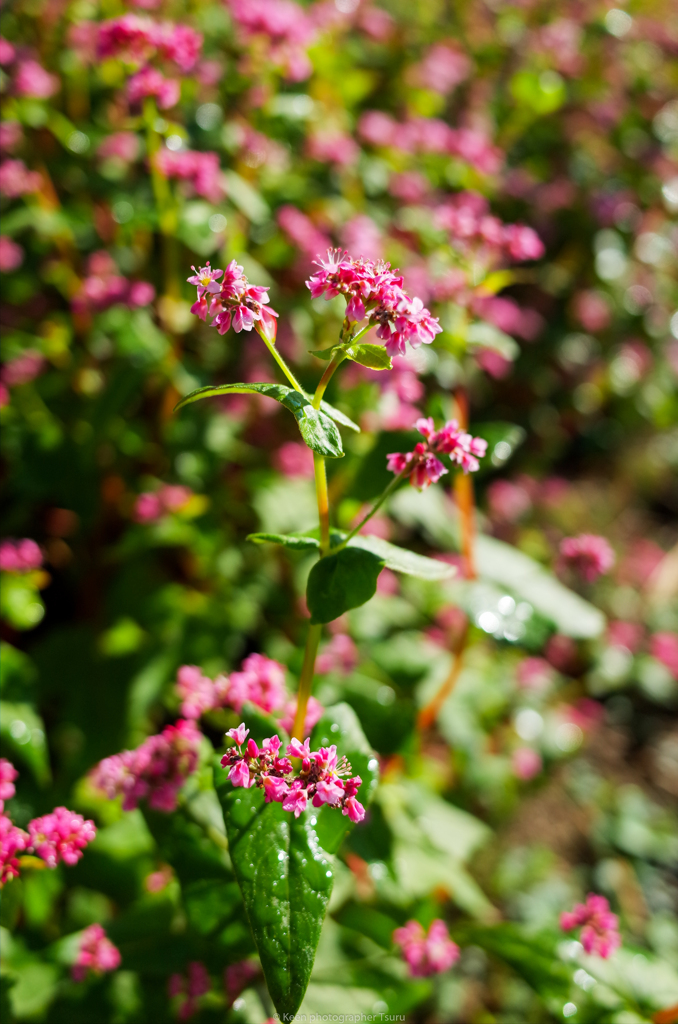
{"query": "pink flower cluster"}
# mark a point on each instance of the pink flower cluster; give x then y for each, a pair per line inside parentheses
(372, 290)
(261, 681)
(430, 135)
(16, 180)
(599, 926)
(8, 774)
(155, 771)
(443, 68)
(426, 953)
(103, 286)
(320, 778)
(151, 82)
(288, 26)
(152, 505)
(467, 218)
(60, 835)
(30, 78)
(200, 170)
(233, 301)
(422, 465)
(96, 954)
(137, 40)
(190, 988)
(20, 556)
(588, 554)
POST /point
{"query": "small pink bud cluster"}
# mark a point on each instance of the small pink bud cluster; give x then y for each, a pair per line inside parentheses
(289, 28)
(233, 301)
(599, 926)
(260, 681)
(422, 466)
(96, 954)
(16, 180)
(155, 771)
(190, 988)
(200, 170)
(20, 556)
(152, 505)
(319, 779)
(426, 953)
(589, 555)
(430, 135)
(103, 286)
(372, 290)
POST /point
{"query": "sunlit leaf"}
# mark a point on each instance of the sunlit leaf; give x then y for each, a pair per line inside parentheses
(374, 356)
(341, 581)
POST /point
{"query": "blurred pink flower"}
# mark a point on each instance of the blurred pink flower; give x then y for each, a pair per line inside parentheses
(11, 134)
(664, 647)
(8, 774)
(334, 147)
(11, 255)
(190, 988)
(361, 235)
(201, 170)
(20, 556)
(237, 977)
(526, 763)
(33, 81)
(150, 82)
(16, 180)
(493, 362)
(534, 673)
(314, 712)
(157, 881)
(426, 953)
(561, 652)
(588, 554)
(339, 655)
(96, 953)
(410, 186)
(13, 840)
(592, 310)
(294, 459)
(443, 68)
(7, 51)
(508, 501)
(599, 927)
(152, 505)
(302, 231)
(625, 634)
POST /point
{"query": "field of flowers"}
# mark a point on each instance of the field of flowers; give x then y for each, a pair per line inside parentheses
(339, 533)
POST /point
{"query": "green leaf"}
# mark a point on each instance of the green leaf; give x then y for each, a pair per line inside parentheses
(340, 725)
(286, 882)
(402, 560)
(322, 353)
(341, 581)
(315, 425)
(395, 558)
(374, 356)
(339, 417)
(297, 543)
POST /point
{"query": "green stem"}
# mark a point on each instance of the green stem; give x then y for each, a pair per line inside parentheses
(380, 501)
(323, 502)
(337, 360)
(282, 364)
(306, 680)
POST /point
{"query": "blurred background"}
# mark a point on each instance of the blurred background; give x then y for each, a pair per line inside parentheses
(518, 162)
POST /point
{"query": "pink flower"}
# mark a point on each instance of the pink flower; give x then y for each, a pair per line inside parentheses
(11, 255)
(152, 505)
(155, 771)
(196, 691)
(508, 501)
(33, 81)
(340, 655)
(443, 68)
(16, 180)
(12, 841)
(275, 788)
(314, 712)
(333, 147)
(7, 51)
(22, 369)
(377, 128)
(294, 459)
(196, 984)
(147, 508)
(664, 647)
(239, 735)
(96, 954)
(150, 82)
(20, 556)
(61, 835)
(261, 681)
(599, 927)
(523, 243)
(11, 135)
(237, 977)
(158, 880)
(295, 800)
(354, 809)
(124, 146)
(526, 763)
(590, 555)
(201, 170)
(239, 775)
(625, 634)
(141, 293)
(422, 466)
(301, 230)
(592, 310)
(8, 774)
(426, 954)
(296, 748)
(534, 673)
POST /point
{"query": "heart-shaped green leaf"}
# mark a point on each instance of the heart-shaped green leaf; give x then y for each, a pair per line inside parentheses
(341, 581)
(285, 880)
(374, 356)
(315, 425)
(340, 725)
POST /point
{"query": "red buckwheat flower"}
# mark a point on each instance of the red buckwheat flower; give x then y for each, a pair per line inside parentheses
(599, 926)
(589, 555)
(61, 835)
(96, 954)
(426, 953)
(422, 466)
